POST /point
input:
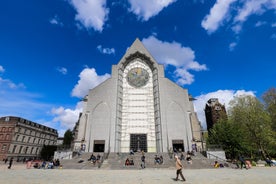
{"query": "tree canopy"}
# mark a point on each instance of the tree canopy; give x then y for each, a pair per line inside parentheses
(249, 127)
(68, 138)
(269, 98)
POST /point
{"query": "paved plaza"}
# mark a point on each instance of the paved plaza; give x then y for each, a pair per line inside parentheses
(20, 175)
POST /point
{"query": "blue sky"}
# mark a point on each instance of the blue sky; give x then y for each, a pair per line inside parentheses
(52, 52)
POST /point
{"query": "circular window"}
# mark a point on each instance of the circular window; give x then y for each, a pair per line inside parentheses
(137, 77)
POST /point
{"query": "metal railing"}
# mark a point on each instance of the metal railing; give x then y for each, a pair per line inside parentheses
(209, 155)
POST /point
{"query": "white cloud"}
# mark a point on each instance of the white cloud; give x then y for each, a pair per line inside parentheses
(217, 15)
(6, 83)
(55, 20)
(232, 46)
(147, 9)
(174, 54)
(251, 7)
(66, 117)
(260, 23)
(224, 97)
(91, 13)
(240, 12)
(237, 28)
(2, 69)
(88, 80)
(106, 50)
(62, 70)
(183, 76)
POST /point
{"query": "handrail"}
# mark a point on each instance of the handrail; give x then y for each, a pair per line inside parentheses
(216, 157)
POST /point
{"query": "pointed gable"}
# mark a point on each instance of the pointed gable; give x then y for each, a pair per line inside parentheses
(137, 50)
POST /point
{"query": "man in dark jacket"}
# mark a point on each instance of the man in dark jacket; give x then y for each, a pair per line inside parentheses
(10, 163)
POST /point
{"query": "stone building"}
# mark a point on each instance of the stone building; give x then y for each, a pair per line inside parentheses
(138, 108)
(214, 111)
(21, 138)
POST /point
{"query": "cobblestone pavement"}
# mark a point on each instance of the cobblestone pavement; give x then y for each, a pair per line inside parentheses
(20, 175)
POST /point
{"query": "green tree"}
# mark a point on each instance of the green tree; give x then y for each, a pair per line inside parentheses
(68, 138)
(269, 98)
(225, 134)
(47, 152)
(254, 124)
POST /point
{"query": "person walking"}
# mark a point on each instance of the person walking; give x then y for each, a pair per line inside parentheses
(243, 164)
(179, 167)
(143, 161)
(10, 163)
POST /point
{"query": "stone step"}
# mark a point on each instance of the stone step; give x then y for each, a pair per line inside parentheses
(117, 161)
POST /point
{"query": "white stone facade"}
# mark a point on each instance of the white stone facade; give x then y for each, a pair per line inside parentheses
(137, 108)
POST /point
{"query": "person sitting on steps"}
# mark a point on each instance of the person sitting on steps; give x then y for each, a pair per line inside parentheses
(127, 162)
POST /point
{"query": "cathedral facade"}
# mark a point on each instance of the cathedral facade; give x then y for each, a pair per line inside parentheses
(138, 108)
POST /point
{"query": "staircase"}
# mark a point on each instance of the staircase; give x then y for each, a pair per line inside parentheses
(81, 162)
(116, 161)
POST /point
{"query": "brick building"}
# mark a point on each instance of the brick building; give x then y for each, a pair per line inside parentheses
(21, 138)
(214, 111)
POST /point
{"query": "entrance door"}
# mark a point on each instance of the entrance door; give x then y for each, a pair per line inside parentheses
(99, 145)
(138, 142)
(178, 145)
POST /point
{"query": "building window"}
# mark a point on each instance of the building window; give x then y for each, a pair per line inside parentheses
(37, 149)
(26, 150)
(4, 147)
(20, 149)
(23, 139)
(34, 140)
(32, 150)
(29, 138)
(1, 136)
(7, 136)
(17, 137)
(14, 148)
(7, 119)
